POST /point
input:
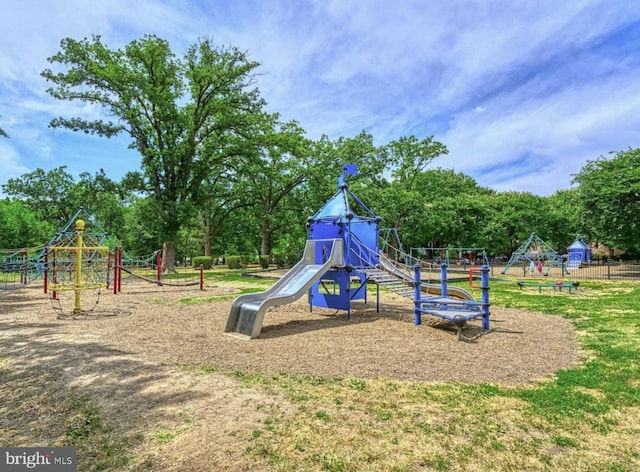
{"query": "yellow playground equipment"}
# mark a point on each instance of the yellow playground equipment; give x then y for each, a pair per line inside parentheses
(76, 264)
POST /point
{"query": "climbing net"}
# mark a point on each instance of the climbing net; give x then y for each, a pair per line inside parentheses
(18, 267)
(73, 268)
(148, 268)
(76, 263)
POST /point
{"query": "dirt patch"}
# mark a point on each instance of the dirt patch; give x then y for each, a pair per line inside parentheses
(131, 351)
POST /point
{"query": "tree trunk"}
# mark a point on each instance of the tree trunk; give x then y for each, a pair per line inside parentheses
(169, 257)
(207, 235)
(265, 245)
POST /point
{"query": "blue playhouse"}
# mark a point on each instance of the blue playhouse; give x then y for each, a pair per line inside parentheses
(341, 257)
(579, 253)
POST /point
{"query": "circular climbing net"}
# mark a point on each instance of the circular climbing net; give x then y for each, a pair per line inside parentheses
(73, 268)
(76, 263)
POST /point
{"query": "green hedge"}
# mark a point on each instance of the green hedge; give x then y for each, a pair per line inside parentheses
(237, 262)
(279, 260)
(264, 261)
(206, 261)
(285, 260)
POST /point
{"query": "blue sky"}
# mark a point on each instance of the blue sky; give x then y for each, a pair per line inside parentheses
(521, 93)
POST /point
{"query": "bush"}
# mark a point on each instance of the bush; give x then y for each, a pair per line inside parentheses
(279, 260)
(285, 260)
(206, 261)
(292, 258)
(237, 262)
(264, 261)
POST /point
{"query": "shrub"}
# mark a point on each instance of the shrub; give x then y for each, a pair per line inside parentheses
(279, 260)
(206, 261)
(264, 261)
(237, 262)
(292, 258)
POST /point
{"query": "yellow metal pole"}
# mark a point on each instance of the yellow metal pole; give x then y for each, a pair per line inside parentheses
(78, 281)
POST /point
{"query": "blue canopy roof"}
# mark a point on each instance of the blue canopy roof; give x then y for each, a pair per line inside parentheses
(580, 245)
(338, 207)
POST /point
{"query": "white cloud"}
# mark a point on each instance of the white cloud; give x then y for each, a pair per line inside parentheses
(499, 82)
(546, 139)
(10, 161)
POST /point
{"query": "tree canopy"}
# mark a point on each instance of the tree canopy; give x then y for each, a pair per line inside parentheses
(187, 117)
(609, 192)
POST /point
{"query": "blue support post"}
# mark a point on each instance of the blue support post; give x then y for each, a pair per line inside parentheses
(485, 296)
(417, 295)
(444, 293)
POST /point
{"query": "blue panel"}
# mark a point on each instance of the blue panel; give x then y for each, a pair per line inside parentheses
(363, 247)
(338, 297)
(325, 231)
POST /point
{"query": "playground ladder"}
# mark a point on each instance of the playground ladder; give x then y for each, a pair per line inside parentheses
(389, 281)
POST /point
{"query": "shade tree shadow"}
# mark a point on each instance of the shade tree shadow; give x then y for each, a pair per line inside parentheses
(109, 376)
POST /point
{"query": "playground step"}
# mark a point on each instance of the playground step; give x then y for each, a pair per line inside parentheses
(390, 282)
(399, 289)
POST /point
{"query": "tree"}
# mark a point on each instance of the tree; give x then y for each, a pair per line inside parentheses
(332, 156)
(282, 166)
(187, 117)
(101, 197)
(512, 217)
(55, 196)
(45, 193)
(609, 192)
(413, 157)
(565, 220)
(437, 210)
(20, 227)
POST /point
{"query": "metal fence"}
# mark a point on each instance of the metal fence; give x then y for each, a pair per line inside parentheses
(609, 270)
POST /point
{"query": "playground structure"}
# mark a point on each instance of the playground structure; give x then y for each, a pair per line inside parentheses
(557, 285)
(533, 251)
(83, 257)
(579, 253)
(76, 264)
(342, 255)
(17, 268)
(456, 311)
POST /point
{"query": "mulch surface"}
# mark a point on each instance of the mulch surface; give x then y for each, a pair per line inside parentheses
(153, 325)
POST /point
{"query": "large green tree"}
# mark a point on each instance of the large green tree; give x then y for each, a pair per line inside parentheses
(410, 157)
(186, 116)
(21, 227)
(282, 164)
(609, 192)
(55, 196)
(46, 193)
(565, 221)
